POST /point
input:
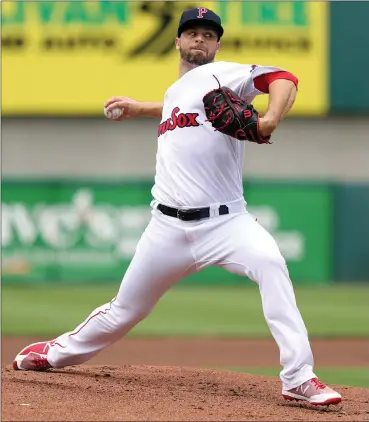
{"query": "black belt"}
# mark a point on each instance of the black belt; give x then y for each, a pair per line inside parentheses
(190, 214)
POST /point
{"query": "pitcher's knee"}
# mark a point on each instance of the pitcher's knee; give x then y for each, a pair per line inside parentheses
(129, 315)
(272, 259)
(270, 264)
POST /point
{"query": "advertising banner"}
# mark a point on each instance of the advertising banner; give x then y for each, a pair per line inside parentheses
(300, 218)
(88, 232)
(68, 57)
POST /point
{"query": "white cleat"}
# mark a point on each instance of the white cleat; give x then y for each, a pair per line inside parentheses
(313, 392)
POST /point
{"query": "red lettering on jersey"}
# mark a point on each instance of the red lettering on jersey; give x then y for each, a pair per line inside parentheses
(173, 123)
(182, 120)
(178, 120)
(192, 119)
(202, 10)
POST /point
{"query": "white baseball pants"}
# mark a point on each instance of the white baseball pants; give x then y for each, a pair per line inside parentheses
(171, 249)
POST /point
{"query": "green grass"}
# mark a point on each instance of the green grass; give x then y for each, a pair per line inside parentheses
(357, 377)
(339, 311)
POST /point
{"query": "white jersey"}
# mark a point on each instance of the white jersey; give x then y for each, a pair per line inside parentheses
(197, 166)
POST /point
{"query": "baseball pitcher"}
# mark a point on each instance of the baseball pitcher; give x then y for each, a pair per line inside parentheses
(199, 215)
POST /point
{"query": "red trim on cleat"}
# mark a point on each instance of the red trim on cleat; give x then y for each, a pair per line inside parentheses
(314, 392)
(33, 357)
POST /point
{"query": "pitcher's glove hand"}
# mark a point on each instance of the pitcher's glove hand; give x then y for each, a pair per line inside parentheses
(230, 114)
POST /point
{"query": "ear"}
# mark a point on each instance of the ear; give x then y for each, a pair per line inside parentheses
(178, 43)
(218, 46)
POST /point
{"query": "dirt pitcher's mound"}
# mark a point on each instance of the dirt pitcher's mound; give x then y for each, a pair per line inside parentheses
(149, 393)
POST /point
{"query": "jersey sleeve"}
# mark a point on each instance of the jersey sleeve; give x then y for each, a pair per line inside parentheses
(247, 80)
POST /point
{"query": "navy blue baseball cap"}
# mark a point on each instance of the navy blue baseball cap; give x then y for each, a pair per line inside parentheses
(200, 16)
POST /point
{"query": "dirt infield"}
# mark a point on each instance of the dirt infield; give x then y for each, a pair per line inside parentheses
(161, 379)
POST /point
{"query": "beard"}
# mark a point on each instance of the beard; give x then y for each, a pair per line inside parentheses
(197, 58)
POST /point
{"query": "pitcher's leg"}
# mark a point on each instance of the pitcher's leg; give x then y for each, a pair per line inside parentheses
(253, 252)
(285, 321)
(162, 258)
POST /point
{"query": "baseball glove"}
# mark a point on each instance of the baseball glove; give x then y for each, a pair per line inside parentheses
(230, 114)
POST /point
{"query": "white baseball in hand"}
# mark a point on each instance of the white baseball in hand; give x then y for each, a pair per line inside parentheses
(113, 114)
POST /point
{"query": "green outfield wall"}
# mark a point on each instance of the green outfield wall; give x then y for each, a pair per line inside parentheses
(349, 58)
(352, 232)
(61, 231)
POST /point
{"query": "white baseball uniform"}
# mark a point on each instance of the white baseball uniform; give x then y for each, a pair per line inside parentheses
(199, 167)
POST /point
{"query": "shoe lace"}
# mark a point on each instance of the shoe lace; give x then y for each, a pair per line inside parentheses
(318, 384)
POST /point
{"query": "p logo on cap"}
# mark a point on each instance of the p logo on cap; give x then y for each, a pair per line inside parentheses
(199, 16)
(202, 10)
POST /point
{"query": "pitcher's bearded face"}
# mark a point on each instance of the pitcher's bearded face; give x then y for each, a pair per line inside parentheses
(198, 46)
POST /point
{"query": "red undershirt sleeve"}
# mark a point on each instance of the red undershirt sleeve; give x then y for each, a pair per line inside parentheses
(262, 82)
